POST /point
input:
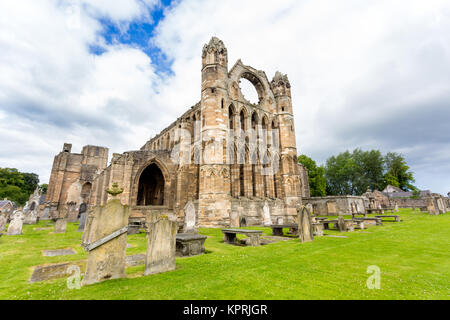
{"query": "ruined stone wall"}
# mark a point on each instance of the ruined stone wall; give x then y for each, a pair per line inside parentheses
(71, 172)
(335, 205)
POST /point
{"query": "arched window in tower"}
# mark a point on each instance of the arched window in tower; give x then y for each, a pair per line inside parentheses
(231, 117)
(242, 120)
(275, 140)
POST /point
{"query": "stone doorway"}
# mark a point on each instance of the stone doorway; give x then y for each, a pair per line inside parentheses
(151, 187)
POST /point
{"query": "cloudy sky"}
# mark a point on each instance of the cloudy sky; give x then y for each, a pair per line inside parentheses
(369, 74)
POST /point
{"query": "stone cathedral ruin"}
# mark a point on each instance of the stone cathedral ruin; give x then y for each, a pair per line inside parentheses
(226, 162)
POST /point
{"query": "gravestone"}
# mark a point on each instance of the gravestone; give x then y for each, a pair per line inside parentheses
(341, 224)
(331, 208)
(46, 214)
(161, 245)
(61, 225)
(431, 208)
(305, 228)
(31, 217)
(106, 241)
(234, 219)
(82, 223)
(16, 224)
(58, 252)
(2, 222)
(266, 212)
(280, 220)
(189, 218)
(72, 212)
(396, 207)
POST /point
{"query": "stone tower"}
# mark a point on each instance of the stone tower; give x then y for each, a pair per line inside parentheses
(214, 179)
(289, 177)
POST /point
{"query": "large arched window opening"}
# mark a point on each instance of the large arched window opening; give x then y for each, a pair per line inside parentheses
(231, 117)
(242, 120)
(151, 187)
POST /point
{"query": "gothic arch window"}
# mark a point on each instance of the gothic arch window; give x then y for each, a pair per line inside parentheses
(151, 186)
(242, 119)
(231, 117)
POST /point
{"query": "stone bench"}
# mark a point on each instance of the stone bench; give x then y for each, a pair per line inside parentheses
(369, 210)
(370, 221)
(134, 227)
(189, 244)
(253, 236)
(396, 217)
(326, 223)
(277, 229)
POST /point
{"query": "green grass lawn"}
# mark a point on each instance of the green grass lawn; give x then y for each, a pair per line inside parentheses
(413, 255)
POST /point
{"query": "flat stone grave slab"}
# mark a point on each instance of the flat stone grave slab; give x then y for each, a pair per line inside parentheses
(59, 270)
(334, 236)
(54, 271)
(42, 229)
(135, 260)
(58, 252)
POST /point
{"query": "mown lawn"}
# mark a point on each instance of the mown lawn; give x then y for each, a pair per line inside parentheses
(413, 255)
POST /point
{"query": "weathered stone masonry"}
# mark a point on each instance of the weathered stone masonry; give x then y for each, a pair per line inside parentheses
(223, 144)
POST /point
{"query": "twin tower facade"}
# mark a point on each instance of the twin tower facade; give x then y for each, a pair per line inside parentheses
(226, 162)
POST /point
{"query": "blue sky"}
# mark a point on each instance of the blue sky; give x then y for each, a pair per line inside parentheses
(370, 75)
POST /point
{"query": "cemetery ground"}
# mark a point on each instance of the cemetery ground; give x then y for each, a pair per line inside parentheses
(413, 256)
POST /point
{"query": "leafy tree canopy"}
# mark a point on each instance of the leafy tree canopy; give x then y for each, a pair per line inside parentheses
(17, 186)
(316, 176)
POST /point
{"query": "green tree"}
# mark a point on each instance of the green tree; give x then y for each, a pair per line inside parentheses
(397, 172)
(17, 186)
(340, 173)
(44, 188)
(316, 176)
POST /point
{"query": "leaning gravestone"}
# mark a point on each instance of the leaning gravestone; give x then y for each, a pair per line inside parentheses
(106, 241)
(305, 229)
(72, 213)
(189, 218)
(161, 245)
(61, 225)
(15, 227)
(46, 214)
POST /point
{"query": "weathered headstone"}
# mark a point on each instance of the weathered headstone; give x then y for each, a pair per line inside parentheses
(430, 207)
(396, 207)
(31, 217)
(161, 245)
(72, 212)
(58, 252)
(106, 241)
(46, 214)
(266, 212)
(61, 225)
(305, 229)
(82, 223)
(341, 224)
(189, 218)
(15, 226)
(2, 222)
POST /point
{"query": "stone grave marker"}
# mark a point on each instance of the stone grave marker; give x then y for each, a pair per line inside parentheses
(82, 222)
(106, 241)
(16, 224)
(305, 229)
(266, 213)
(2, 222)
(341, 224)
(58, 252)
(31, 217)
(161, 245)
(61, 225)
(189, 218)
